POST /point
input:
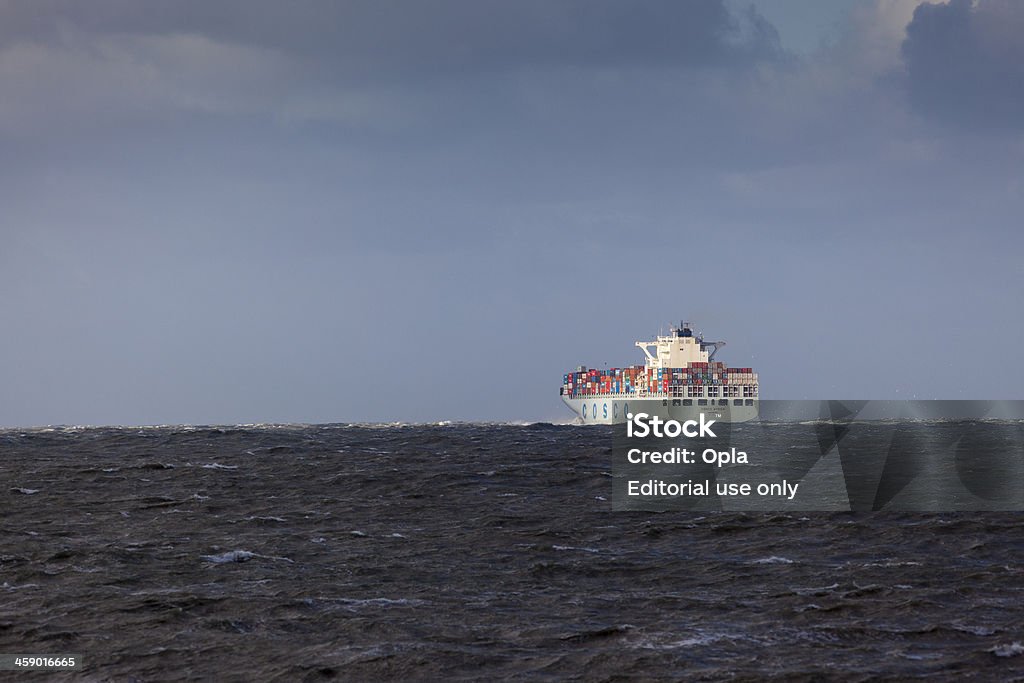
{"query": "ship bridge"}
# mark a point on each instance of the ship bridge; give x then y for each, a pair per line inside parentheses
(679, 349)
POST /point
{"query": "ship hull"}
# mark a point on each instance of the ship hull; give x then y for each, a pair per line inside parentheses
(613, 409)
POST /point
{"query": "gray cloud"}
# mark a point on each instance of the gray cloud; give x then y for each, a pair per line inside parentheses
(965, 62)
(376, 38)
(376, 63)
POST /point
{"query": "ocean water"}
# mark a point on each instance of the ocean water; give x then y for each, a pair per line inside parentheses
(466, 552)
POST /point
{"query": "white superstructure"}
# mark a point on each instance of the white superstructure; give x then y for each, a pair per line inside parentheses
(679, 380)
(679, 349)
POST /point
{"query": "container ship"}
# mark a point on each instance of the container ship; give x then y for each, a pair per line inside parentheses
(679, 380)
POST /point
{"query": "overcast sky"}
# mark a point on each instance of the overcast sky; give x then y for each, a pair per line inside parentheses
(250, 211)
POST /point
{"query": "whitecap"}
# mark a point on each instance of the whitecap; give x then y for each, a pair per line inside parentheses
(1014, 649)
(974, 630)
(230, 556)
(697, 640)
(374, 602)
(774, 559)
(14, 588)
(218, 466)
(816, 590)
(808, 607)
(27, 492)
(241, 556)
(892, 563)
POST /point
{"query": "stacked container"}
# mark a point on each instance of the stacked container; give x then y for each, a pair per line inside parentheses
(638, 378)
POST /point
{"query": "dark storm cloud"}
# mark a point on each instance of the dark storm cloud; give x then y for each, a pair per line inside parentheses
(965, 62)
(377, 38)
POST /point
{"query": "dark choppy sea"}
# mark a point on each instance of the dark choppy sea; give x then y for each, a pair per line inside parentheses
(467, 552)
